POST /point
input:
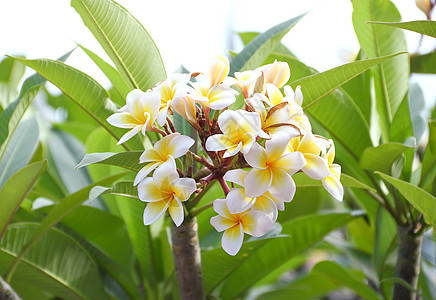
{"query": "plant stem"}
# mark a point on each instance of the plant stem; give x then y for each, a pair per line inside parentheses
(6, 292)
(408, 262)
(187, 259)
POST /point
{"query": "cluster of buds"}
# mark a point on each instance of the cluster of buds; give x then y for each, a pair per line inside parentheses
(256, 148)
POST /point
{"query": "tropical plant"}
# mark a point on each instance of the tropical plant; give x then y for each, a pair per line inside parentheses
(82, 196)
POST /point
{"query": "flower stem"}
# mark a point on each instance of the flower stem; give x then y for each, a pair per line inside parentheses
(187, 259)
(224, 185)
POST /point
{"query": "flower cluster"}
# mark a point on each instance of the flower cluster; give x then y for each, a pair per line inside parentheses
(257, 147)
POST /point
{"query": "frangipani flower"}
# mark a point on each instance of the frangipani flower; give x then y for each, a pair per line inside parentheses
(273, 95)
(332, 183)
(165, 190)
(139, 113)
(174, 87)
(246, 81)
(238, 202)
(186, 107)
(240, 129)
(218, 70)
(215, 97)
(273, 121)
(316, 166)
(272, 168)
(277, 73)
(165, 150)
(255, 223)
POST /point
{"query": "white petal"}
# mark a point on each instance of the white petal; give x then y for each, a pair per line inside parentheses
(257, 182)
(122, 120)
(176, 211)
(220, 223)
(133, 100)
(183, 188)
(150, 155)
(247, 141)
(220, 207)
(334, 187)
(148, 191)
(236, 176)
(232, 239)
(282, 186)
(298, 95)
(129, 134)
(147, 169)
(266, 205)
(256, 157)
(233, 150)
(154, 211)
(180, 145)
(276, 146)
(256, 223)
(220, 97)
(336, 170)
(291, 162)
(218, 142)
(316, 167)
(164, 174)
(162, 115)
(238, 202)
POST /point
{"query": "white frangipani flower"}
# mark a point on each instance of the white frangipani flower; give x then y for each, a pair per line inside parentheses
(219, 69)
(277, 73)
(272, 168)
(139, 113)
(255, 223)
(246, 81)
(165, 150)
(165, 190)
(240, 129)
(332, 182)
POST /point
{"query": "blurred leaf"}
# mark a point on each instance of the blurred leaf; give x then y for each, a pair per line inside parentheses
(420, 199)
(77, 129)
(427, 281)
(417, 108)
(428, 168)
(255, 53)
(402, 126)
(432, 136)
(61, 210)
(49, 188)
(302, 233)
(335, 106)
(423, 63)
(20, 148)
(336, 272)
(128, 160)
(247, 37)
(11, 72)
(120, 86)
(306, 201)
(426, 27)
(129, 46)
(391, 78)
(12, 115)
(16, 189)
(302, 180)
(381, 158)
(361, 235)
(56, 264)
(122, 188)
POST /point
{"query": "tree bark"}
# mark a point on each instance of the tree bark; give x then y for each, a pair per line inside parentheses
(6, 292)
(408, 262)
(186, 251)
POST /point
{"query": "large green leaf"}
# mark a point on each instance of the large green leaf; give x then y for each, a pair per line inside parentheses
(16, 189)
(18, 151)
(61, 210)
(381, 158)
(129, 46)
(302, 180)
(255, 53)
(12, 115)
(121, 188)
(423, 63)
(392, 76)
(426, 27)
(56, 264)
(127, 160)
(247, 37)
(301, 233)
(333, 112)
(424, 202)
(121, 87)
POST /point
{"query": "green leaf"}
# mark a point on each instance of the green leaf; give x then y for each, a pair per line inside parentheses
(426, 27)
(432, 136)
(15, 191)
(18, 151)
(121, 188)
(335, 272)
(12, 115)
(381, 158)
(247, 37)
(127, 160)
(335, 106)
(302, 180)
(255, 53)
(424, 202)
(423, 63)
(129, 46)
(56, 264)
(301, 234)
(11, 72)
(392, 76)
(58, 212)
(121, 87)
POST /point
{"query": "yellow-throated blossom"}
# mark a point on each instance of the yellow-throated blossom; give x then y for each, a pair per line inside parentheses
(277, 73)
(332, 182)
(139, 113)
(165, 150)
(296, 114)
(218, 70)
(174, 87)
(272, 168)
(238, 201)
(239, 131)
(273, 121)
(165, 190)
(255, 223)
(311, 147)
(246, 81)
(186, 107)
